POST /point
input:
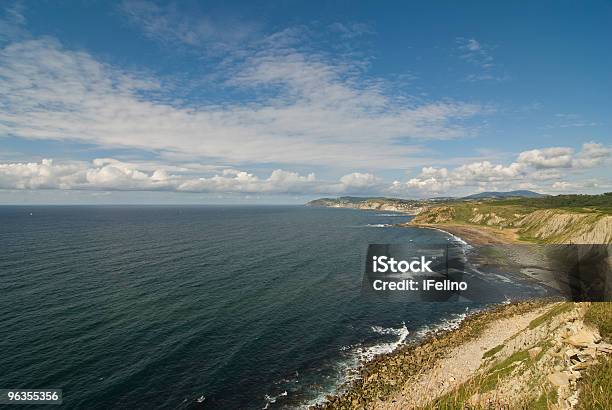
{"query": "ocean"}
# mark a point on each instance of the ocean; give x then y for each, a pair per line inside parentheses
(243, 307)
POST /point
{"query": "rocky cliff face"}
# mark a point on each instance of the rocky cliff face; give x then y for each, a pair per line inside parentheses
(548, 225)
(548, 356)
(563, 227)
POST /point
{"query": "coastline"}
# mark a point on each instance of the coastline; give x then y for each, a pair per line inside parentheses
(507, 355)
(382, 381)
(472, 235)
(405, 378)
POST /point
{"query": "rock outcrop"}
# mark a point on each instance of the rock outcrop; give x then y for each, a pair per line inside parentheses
(555, 226)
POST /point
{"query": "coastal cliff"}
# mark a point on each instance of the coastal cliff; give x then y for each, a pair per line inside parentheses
(560, 219)
(377, 204)
(536, 354)
(533, 355)
(545, 225)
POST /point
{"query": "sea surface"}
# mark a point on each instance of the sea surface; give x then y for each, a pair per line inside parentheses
(241, 307)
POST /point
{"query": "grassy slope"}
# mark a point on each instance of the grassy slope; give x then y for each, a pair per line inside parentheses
(510, 214)
(596, 383)
(382, 377)
(518, 362)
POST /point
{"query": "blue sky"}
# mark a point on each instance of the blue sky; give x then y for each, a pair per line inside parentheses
(280, 102)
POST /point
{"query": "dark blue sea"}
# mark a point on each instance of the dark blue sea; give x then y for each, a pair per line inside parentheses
(244, 307)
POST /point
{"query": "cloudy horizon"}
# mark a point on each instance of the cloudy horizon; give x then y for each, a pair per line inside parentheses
(177, 102)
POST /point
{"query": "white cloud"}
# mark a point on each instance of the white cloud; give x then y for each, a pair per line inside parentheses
(475, 52)
(311, 110)
(169, 25)
(533, 169)
(540, 171)
(472, 45)
(359, 180)
(43, 175)
(112, 175)
(591, 155)
(480, 56)
(555, 157)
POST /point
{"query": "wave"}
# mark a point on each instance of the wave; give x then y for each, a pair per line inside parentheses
(379, 225)
(394, 215)
(272, 399)
(455, 237)
(367, 354)
(357, 355)
(451, 323)
(360, 355)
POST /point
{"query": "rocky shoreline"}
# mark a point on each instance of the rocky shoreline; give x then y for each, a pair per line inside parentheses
(510, 356)
(541, 349)
(385, 375)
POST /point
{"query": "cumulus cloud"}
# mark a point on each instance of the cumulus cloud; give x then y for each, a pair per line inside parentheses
(535, 169)
(556, 157)
(591, 155)
(109, 174)
(359, 180)
(530, 169)
(43, 175)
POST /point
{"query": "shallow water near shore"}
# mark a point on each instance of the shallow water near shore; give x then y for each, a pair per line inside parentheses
(250, 307)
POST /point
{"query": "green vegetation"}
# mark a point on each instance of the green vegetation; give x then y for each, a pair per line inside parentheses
(501, 370)
(456, 399)
(557, 310)
(508, 208)
(599, 315)
(596, 385)
(491, 353)
(544, 401)
(574, 203)
(570, 203)
(460, 397)
(536, 220)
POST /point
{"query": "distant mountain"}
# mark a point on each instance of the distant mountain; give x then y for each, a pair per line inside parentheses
(509, 194)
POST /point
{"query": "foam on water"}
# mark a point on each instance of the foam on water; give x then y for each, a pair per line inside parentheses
(451, 323)
(357, 355)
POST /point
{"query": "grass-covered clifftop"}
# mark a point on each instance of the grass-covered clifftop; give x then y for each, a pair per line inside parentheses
(554, 219)
(550, 219)
(559, 357)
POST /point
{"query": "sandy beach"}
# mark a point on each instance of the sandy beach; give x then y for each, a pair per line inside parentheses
(474, 235)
